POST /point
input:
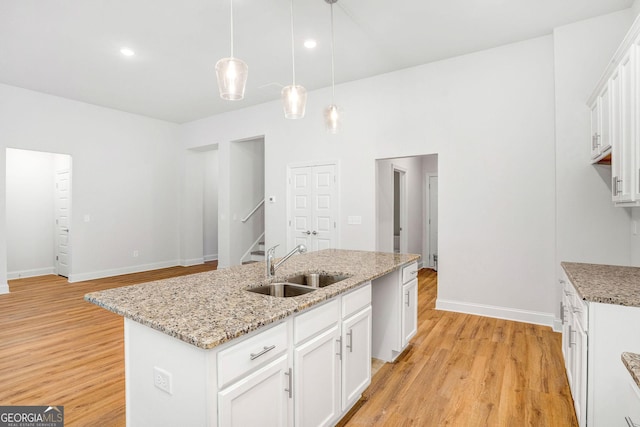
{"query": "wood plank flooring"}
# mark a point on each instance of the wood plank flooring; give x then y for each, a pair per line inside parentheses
(460, 370)
(57, 349)
(464, 370)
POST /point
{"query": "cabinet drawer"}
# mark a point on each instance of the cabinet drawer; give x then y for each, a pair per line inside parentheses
(356, 300)
(251, 353)
(315, 320)
(409, 272)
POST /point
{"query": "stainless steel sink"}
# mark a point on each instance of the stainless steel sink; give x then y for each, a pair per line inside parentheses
(316, 280)
(282, 290)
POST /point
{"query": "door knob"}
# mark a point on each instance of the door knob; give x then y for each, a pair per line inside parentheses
(314, 232)
(307, 232)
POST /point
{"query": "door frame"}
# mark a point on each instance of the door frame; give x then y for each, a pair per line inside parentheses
(289, 202)
(56, 225)
(404, 241)
(426, 220)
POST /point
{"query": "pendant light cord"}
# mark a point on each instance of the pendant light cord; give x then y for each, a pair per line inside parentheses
(231, 28)
(293, 48)
(333, 80)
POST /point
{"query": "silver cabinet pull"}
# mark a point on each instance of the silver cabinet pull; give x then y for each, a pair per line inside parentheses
(408, 299)
(339, 341)
(571, 335)
(290, 389)
(562, 281)
(597, 135)
(562, 312)
(264, 350)
(350, 345)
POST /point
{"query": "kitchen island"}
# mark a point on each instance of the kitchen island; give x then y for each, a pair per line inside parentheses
(202, 350)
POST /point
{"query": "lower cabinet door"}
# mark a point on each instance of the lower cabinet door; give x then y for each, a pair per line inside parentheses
(409, 311)
(260, 399)
(356, 356)
(580, 374)
(317, 380)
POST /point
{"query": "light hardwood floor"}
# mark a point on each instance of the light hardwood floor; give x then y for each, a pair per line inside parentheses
(460, 370)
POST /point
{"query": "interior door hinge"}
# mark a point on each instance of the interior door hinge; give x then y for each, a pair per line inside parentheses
(56, 257)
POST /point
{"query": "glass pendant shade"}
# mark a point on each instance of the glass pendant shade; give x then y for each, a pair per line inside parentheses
(294, 100)
(232, 78)
(332, 119)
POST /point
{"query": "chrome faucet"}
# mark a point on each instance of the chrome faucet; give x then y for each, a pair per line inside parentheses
(271, 266)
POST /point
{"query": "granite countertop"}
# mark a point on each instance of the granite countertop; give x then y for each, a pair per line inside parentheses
(608, 284)
(632, 362)
(208, 309)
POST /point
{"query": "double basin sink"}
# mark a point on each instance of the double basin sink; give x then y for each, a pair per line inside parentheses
(299, 284)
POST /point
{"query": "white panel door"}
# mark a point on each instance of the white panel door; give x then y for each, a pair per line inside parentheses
(62, 218)
(313, 201)
(301, 206)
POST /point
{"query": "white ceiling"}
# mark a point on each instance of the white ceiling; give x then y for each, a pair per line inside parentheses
(70, 48)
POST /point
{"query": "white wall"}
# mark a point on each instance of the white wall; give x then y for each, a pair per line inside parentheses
(30, 213)
(490, 118)
(589, 228)
(126, 178)
(210, 202)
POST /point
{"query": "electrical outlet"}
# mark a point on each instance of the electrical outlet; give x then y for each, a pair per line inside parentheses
(162, 380)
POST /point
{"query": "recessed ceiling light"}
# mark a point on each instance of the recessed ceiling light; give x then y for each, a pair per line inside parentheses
(127, 52)
(310, 43)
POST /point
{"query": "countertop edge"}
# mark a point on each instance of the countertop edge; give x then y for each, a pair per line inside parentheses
(632, 363)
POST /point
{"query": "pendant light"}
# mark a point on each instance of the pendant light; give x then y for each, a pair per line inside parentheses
(294, 97)
(231, 73)
(331, 114)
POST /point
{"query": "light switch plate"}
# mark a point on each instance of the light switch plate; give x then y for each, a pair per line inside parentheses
(354, 220)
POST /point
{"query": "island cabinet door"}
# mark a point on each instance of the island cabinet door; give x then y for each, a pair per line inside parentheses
(409, 311)
(263, 398)
(317, 380)
(356, 356)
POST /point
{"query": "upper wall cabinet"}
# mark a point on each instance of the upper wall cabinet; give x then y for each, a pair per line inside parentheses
(615, 120)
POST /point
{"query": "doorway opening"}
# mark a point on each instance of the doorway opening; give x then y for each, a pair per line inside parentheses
(404, 207)
(38, 203)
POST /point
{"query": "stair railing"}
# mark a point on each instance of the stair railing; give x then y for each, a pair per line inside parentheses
(254, 210)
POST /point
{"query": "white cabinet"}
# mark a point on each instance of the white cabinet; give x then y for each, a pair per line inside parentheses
(332, 358)
(615, 120)
(601, 124)
(356, 356)
(574, 313)
(395, 312)
(594, 337)
(409, 311)
(255, 380)
(261, 398)
(317, 365)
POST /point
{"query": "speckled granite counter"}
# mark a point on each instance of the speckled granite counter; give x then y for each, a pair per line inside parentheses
(608, 284)
(632, 362)
(208, 309)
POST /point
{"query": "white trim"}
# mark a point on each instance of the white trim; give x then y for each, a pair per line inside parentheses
(526, 316)
(12, 275)
(212, 257)
(426, 241)
(73, 278)
(557, 325)
(404, 217)
(4, 288)
(190, 262)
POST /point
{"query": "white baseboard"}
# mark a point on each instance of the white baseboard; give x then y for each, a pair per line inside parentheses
(526, 316)
(212, 257)
(11, 275)
(190, 262)
(119, 271)
(557, 325)
(4, 288)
